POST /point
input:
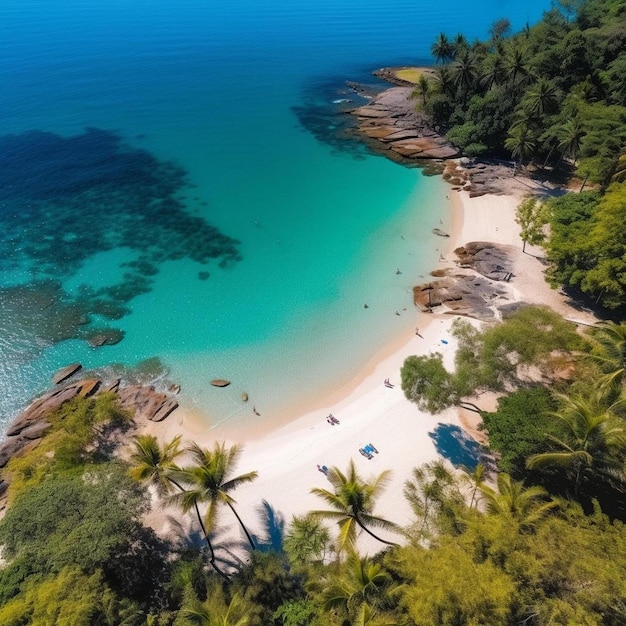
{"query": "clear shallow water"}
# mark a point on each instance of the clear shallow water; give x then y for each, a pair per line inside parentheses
(252, 256)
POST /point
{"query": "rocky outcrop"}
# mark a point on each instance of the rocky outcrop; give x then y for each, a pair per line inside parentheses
(146, 402)
(476, 288)
(220, 382)
(392, 127)
(489, 259)
(26, 430)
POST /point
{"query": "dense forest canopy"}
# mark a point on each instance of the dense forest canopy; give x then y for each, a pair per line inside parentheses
(553, 93)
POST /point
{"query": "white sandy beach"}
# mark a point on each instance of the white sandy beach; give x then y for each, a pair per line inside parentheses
(286, 458)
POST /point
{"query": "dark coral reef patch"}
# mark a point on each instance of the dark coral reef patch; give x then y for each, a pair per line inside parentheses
(64, 200)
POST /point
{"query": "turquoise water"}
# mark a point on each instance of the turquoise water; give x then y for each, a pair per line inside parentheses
(211, 213)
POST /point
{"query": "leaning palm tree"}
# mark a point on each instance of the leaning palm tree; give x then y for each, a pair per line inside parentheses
(209, 481)
(352, 502)
(155, 465)
(594, 438)
(526, 505)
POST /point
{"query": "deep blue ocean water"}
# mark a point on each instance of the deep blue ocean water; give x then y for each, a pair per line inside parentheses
(171, 173)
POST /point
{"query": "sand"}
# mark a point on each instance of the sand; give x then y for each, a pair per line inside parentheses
(286, 458)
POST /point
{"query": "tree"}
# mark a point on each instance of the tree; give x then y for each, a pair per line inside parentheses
(352, 502)
(499, 29)
(70, 597)
(593, 439)
(90, 521)
(307, 540)
(445, 586)
(360, 581)
(570, 135)
(541, 99)
(155, 464)
(525, 506)
(205, 614)
(442, 49)
(521, 142)
(531, 215)
(434, 496)
(426, 382)
(519, 426)
(609, 349)
(210, 481)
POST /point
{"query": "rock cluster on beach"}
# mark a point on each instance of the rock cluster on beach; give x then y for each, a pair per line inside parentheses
(475, 288)
(142, 401)
(394, 128)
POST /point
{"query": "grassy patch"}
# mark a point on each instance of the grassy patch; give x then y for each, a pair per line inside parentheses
(410, 74)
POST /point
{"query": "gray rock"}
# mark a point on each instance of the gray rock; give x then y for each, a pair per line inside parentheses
(65, 373)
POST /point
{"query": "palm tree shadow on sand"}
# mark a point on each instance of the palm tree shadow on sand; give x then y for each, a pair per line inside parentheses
(273, 525)
(456, 446)
(233, 554)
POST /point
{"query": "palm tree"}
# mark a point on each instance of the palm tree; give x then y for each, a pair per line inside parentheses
(367, 616)
(570, 136)
(155, 465)
(210, 480)
(594, 437)
(459, 45)
(475, 478)
(494, 71)
(520, 142)
(360, 582)
(464, 73)
(524, 505)
(541, 99)
(609, 351)
(353, 501)
(422, 88)
(444, 81)
(199, 613)
(515, 63)
(442, 49)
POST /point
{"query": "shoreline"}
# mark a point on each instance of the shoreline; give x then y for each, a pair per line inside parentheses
(286, 457)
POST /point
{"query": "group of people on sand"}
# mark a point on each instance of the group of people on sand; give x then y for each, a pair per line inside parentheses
(388, 384)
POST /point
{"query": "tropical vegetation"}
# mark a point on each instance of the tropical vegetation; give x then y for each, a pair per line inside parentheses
(534, 536)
